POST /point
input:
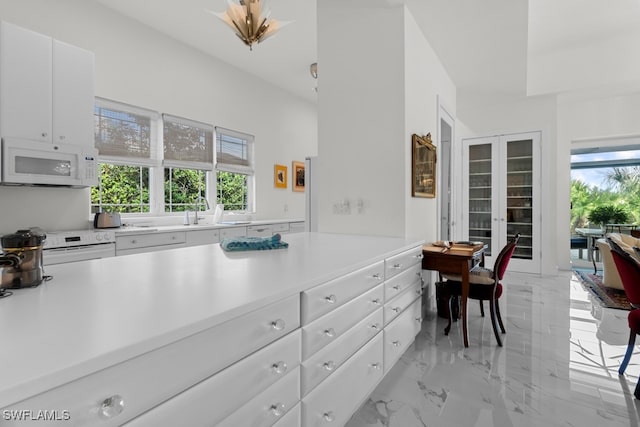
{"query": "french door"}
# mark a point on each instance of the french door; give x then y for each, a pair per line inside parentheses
(502, 195)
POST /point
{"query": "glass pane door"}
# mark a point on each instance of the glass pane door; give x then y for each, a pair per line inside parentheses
(480, 192)
(520, 195)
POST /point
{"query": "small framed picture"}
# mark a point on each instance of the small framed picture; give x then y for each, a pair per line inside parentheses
(297, 176)
(280, 176)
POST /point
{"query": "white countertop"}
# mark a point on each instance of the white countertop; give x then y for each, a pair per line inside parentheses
(94, 314)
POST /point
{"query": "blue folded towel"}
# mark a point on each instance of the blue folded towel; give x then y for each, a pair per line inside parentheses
(234, 244)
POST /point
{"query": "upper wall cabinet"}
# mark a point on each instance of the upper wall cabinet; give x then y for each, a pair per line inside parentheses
(46, 88)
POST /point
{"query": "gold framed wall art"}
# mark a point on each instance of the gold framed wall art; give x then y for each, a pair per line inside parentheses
(297, 176)
(423, 166)
(280, 176)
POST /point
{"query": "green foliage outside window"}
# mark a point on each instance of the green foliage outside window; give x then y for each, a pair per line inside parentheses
(232, 191)
(121, 189)
(182, 188)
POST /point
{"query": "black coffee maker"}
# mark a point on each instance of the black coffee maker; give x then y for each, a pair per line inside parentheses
(21, 258)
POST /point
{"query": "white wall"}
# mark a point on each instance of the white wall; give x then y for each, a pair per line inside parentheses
(376, 89)
(606, 118)
(426, 84)
(139, 66)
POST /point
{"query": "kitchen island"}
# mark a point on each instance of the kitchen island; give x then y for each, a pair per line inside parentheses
(150, 338)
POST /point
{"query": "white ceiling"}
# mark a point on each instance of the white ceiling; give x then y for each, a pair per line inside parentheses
(482, 44)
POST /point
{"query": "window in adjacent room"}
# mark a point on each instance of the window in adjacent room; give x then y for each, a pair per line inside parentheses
(124, 138)
(234, 170)
(188, 159)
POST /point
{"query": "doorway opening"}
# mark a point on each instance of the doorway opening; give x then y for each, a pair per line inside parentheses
(445, 144)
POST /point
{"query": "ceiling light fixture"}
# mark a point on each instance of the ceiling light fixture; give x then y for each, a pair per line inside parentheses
(250, 20)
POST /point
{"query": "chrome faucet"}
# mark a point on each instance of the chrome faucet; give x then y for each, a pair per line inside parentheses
(198, 204)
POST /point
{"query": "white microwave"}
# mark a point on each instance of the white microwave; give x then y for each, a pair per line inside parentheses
(26, 162)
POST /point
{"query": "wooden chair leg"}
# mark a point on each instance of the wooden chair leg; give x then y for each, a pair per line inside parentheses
(499, 317)
(447, 329)
(492, 308)
(481, 308)
(627, 355)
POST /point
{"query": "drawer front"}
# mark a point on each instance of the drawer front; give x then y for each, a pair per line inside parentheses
(291, 418)
(270, 406)
(151, 378)
(151, 239)
(400, 334)
(334, 401)
(326, 329)
(296, 227)
(202, 237)
(282, 227)
(323, 363)
(260, 230)
(217, 397)
(394, 307)
(394, 286)
(226, 233)
(328, 296)
(398, 263)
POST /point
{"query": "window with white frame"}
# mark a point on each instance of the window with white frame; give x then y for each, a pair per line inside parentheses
(234, 169)
(188, 158)
(124, 137)
(153, 164)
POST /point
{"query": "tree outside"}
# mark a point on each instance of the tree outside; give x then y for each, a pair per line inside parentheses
(620, 192)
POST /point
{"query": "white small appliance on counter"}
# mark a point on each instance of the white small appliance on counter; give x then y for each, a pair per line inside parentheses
(26, 162)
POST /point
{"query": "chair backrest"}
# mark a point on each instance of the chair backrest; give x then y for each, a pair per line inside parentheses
(629, 271)
(500, 266)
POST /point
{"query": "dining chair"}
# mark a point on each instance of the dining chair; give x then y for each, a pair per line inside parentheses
(484, 284)
(629, 271)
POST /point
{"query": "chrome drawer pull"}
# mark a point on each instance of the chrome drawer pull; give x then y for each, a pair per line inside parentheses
(277, 409)
(330, 332)
(329, 416)
(279, 367)
(278, 325)
(376, 276)
(396, 343)
(418, 292)
(112, 406)
(375, 326)
(419, 319)
(375, 366)
(419, 256)
(329, 366)
(396, 288)
(376, 301)
(397, 265)
(331, 299)
(396, 309)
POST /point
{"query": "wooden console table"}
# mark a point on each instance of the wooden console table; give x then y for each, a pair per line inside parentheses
(459, 259)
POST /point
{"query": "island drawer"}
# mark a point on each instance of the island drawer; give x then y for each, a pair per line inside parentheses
(228, 232)
(398, 263)
(281, 227)
(394, 286)
(402, 301)
(323, 363)
(150, 239)
(330, 295)
(146, 380)
(326, 329)
(334, 401)
(219, 396)
(400, 333)
(270, 406)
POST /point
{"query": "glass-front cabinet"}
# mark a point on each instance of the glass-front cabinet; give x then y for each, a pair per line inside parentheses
(501, 195)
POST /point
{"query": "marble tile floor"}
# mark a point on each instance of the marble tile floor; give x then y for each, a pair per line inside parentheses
(558, 367)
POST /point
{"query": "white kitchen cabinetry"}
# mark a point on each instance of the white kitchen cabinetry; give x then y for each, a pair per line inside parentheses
(47, 88)
(296, 227)
(265, 230)
(229, 232)
(501, 195)
(202, 237)
(139, 243)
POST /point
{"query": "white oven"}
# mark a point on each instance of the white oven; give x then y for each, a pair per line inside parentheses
(70, 246)
(40, 163)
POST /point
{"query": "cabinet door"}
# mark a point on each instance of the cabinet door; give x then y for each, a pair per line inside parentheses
(502, 195)
(25, 83)
(73, 95)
